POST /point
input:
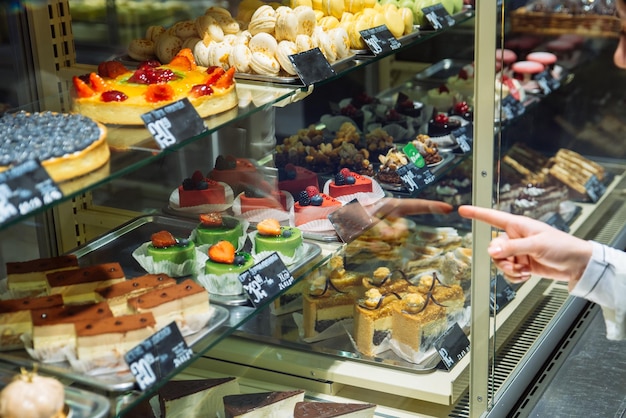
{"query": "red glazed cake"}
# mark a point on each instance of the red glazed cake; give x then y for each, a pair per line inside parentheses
(313, 205)
(262, 196)
(347, 182)
(236, 172)
(198, 190)
(294, 178)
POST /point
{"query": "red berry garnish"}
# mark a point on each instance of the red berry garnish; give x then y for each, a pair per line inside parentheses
(200, 90)
(312, 191)
(345, 172)
(463, 74)
(159, 92)
(444, 89)
(113, 96)
(461, 107)
(197, 176)
(441, 118)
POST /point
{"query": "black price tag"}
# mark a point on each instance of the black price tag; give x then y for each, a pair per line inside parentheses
(173, 123)
(158, 356)
(546, 82)
(511, 107)
(266, 279)
(438, 16)
(452, 346)
(501, 293)
(379, 40)
(311, 66)
(464, 136)
(595, 188)
(415, 178)
(24, 189)
(556, 221)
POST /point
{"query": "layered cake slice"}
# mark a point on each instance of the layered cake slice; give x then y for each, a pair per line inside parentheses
(112, 337)
(30, 276)
(417, 321)
(117, 295)
(15, 318)
(333, 410)
(54, 329)
(196, 398)
(174, 303)
(79, 285)
(372, 320)
(264, 404)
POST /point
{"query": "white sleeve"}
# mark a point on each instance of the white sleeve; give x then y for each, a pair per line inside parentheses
(604, 283)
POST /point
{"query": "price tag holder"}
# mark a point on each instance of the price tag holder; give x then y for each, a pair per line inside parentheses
(501, 293)
(452, 346)
(438, 16)
(25, 188)
(173, 123)
(546, 82)
(415, 178)
(266, 279)
(157, 356)
(311, 66)
(511, 107)
(464, 136)
(380, 40)
(595, 188)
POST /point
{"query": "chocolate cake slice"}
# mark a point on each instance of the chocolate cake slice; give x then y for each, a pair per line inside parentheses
(333, 410)
(195, 398)
(263, 404)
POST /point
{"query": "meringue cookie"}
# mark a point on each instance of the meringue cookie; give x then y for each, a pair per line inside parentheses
(286, 48)
(166, 47)
(264, 64)
(240, 57)
(325, 44)
(141, 49)
(153, 32)
(264, 43)
(230, 39)
(207, 26)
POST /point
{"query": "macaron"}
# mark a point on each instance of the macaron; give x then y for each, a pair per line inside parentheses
(306, 20)
(207, 26)
(548, 59)
(201, 54)
(264, 64)
(240, 57)
(185, 29)
(506, 56)
(286, 48)
(341, 41)
(243, 37)
(263, 43)
(524, 70)
(227, 23)
(304, 43)
(191, 42)
(328, 22)
(141, 49)
(219, 53)
(286, 24)
(166, 47)
(325, 44)
(217, 11)
(154, 31)
(263, 20)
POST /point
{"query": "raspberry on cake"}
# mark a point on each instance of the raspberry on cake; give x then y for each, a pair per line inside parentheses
(117, 95)
(314, 206)
(214, 227)
(271, 236)
(347, 182)
(200, 194)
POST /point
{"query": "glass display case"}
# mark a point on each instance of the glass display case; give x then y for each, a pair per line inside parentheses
(507, 131)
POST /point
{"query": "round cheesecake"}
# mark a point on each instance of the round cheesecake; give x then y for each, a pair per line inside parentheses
(230, 230)
(289, 240)
(184, 250)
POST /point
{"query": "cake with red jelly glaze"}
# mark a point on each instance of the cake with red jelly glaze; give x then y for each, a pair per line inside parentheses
(236, 172)
(313, 205)
(262, 196)
(293, 178)
(198, 193)
(347, 182)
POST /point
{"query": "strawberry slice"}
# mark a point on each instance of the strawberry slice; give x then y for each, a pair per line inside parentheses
(269, 227)
(97, 83)
(111, 69)
(163, 239)
(211, 219)
(82, 89)
(180, 62)
(159, 93)
(226, 80)
(187, 53)
(214, 75)
(222, 252)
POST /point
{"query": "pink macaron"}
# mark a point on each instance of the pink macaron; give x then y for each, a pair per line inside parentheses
(506, 56)
(548, 59)
(524, 70)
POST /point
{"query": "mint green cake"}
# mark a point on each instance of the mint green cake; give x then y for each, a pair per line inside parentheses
(243, 261)
(230, 230)
(177, 254)
(289, 240)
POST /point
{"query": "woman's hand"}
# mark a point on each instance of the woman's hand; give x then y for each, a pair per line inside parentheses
(532, 247)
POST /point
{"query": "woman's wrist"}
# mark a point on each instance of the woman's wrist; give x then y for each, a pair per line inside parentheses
(581, 259)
